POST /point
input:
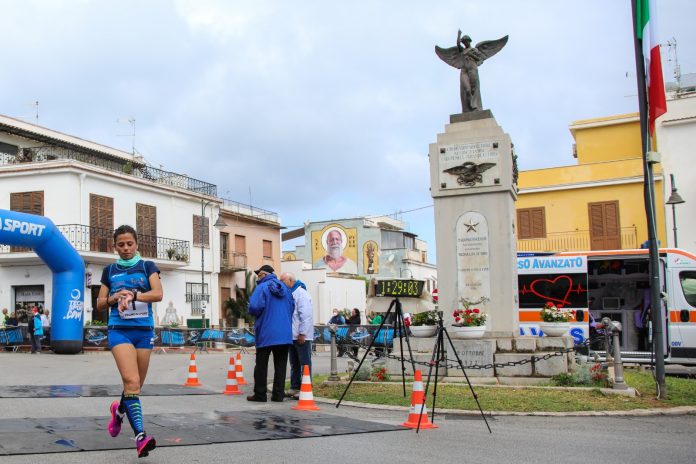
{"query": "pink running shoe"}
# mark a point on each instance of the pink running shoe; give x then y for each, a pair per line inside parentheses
(144, 444)
(116, 420)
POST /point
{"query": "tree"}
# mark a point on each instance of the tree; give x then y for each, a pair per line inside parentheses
(238, 308)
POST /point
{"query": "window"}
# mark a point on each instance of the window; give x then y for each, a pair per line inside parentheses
(146, 226)
(409, 242)
(224, 245)
(531, 223)
(101, 223)
(26, 202)
(240, 244)
(268, 249)
(687, 279)
(194, 296)
(392, 240)
(201, 225)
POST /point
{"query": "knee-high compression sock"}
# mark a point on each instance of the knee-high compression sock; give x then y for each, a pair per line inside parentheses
(134, 412)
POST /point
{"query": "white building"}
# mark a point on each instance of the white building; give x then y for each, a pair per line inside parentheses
(676, 139)
(87, 190)
(328, 292)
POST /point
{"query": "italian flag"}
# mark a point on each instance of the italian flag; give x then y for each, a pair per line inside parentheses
(645, 17)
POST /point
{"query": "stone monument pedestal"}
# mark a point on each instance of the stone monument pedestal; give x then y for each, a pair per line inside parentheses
(493, 351)
(473, 183)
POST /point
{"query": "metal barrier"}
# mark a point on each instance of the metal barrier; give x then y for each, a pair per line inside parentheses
(169, 337)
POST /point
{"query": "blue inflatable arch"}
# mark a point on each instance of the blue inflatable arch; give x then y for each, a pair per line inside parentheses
(40, 234)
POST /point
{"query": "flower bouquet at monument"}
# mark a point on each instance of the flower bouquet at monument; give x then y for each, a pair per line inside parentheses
(469, 317)
(556, 313)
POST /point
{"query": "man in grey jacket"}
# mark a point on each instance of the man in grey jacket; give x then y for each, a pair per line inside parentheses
(302, 332)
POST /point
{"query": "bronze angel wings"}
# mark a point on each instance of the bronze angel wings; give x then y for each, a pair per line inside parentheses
(456, 57)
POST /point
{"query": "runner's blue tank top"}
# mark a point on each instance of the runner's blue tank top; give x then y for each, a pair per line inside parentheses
(135, 277)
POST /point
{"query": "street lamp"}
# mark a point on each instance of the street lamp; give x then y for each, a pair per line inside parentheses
(674, 199)
(219, 224)
(401, 271)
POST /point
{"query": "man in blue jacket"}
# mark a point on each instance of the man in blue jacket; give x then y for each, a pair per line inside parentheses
(272, 306)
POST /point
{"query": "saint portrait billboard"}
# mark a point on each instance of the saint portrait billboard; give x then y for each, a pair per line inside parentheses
(335, 248)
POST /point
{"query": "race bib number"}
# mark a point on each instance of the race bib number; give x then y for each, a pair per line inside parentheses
(135, 311)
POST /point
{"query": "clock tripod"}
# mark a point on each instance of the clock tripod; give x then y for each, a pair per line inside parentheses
(440, 355)
(402, 330)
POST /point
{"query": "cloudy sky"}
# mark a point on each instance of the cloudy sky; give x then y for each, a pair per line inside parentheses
(319, 109)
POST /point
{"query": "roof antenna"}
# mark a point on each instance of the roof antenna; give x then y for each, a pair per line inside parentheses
(131, 121)
(672, 44)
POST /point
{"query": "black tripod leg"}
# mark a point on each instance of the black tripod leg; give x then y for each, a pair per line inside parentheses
(372, 342)
(433, 359)
(400, 316)
(398, 326)
(440, 357)
(473, 393)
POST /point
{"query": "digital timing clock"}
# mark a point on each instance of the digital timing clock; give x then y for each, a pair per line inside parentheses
(399, 288)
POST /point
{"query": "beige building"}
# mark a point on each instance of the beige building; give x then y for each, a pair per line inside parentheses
(249, 239)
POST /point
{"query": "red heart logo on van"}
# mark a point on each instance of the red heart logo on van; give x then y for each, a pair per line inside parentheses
(557, 286)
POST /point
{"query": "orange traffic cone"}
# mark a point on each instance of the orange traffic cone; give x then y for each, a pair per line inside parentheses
(240, 370)
(192, 380)
(231, 386)
(418, 408)
(306, 402)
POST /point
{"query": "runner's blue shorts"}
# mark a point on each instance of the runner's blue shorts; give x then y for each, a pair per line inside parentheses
(139, 338)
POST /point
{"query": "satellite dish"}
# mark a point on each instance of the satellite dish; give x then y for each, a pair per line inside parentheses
(390, 258)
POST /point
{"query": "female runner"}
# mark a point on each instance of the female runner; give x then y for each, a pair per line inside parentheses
(129, 287)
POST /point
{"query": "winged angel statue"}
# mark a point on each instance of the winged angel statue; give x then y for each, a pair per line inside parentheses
(468, 59)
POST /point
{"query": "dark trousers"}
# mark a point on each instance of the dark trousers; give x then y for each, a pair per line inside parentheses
(280, 364)
(300, 355)
(35, 343)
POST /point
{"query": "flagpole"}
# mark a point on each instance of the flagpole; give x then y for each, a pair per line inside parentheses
(649, 196)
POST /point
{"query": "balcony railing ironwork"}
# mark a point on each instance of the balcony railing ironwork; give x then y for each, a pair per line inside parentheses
(100, 240)
(233, 261)
(87, 238)
(248, 210)
(576, 240)
(124, 166)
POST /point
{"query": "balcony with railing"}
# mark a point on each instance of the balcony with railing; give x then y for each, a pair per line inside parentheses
(123, 166)
(100, 240)
(232, 261)
(576, 240)
(248, 210)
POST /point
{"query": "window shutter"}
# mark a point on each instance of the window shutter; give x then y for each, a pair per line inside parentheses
(146, 226)
(101, 222)
(524, 226)
(531, 223)
(267, 249)
(27, 202)
(240, 244)
(201, 235)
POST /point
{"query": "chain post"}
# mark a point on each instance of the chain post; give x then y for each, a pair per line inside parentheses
(333, 375)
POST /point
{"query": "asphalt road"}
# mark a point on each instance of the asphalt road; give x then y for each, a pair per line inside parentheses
(459, 438)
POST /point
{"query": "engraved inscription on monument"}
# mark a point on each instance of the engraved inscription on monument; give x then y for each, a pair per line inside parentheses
(474, 353)
(468, 165)
(473, 259)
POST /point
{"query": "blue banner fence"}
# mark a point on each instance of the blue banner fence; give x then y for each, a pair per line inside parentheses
(165, 337)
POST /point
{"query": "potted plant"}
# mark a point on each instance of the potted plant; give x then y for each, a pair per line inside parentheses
(555, 319)
(469, 321)
(424, 324)
(171, 252)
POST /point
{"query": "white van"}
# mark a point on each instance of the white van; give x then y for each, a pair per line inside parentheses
(614, 284)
